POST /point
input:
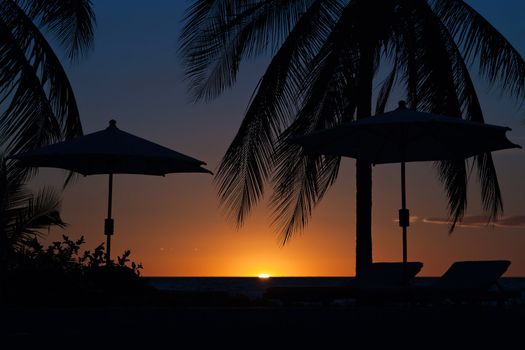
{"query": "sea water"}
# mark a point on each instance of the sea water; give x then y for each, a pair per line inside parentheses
(254, 287)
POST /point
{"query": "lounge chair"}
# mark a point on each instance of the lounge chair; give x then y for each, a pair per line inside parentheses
(467, 281)
(388, 275)
(377, 279)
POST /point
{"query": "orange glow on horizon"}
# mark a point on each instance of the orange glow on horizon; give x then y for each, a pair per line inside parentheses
(174, 229)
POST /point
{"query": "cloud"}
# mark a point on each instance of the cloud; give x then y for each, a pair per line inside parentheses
(480, 221)
(516, 221)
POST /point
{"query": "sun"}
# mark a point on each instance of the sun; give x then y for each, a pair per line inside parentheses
(264, 276)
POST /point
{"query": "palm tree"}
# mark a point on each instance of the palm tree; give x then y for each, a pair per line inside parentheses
(24, 214)
(37, 103)
(327, 57)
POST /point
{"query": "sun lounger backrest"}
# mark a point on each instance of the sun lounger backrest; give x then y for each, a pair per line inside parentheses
(472, 275)
(391, 274)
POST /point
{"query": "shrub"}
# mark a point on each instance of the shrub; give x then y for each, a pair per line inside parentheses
(60, 273)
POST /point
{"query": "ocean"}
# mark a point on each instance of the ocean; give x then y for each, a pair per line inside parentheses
(254, 287)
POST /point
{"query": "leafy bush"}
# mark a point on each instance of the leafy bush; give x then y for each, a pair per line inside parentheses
(61, 272)
(64, 255)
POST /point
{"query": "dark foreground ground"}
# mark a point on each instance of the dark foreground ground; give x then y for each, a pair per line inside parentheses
(269, 327)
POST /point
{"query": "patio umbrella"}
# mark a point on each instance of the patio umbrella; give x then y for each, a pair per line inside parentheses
(111, 151)
(404, 135)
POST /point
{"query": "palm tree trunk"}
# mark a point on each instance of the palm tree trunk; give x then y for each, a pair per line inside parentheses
(364, 169)
(3, 237)
(3, 265)
(363, 242)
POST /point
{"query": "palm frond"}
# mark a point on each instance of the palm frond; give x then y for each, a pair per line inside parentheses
(247, 162)
(13, 178)
(445, 86)
(490, 192)
(314, 82)
(498, 60)
(29, 121)
(301, 180)
(386, 89)
(39, 213)
(300, 186)
(491, 197)
(71, 22)
(42, 107)
(454, 176)
(219, 34)
(25, 215)
(436, 89)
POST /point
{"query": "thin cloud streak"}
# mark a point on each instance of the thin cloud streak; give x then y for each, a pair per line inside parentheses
(481, 221)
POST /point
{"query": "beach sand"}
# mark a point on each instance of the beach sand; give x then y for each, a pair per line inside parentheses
(268, 327)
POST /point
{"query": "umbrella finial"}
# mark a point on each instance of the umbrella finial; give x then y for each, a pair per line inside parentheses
(112, 124)
(402, 104)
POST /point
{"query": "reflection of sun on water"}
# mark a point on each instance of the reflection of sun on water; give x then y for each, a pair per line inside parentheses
(264, 276)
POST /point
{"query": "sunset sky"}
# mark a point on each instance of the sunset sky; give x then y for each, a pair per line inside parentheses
(173, 224)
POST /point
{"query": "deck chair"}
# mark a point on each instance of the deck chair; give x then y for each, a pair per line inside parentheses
(388, 275)
(377, 279)
(384, 283)
(469, 281)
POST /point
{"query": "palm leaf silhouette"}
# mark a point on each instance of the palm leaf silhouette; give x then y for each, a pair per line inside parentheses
(326, 57)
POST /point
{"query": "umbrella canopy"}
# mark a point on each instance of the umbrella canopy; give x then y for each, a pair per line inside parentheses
(406, 135)
(403, 136)
(111, 151)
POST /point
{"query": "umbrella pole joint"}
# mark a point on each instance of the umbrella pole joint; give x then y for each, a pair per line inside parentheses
(404, 217)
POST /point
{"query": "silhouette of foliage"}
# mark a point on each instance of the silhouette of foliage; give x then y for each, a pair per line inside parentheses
(24, 214)
(36, 99)
(65, 255)
(325, 57)
(61, 273)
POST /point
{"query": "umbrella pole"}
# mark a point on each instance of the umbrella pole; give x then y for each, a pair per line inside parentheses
(404, 215)
(108, 223)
